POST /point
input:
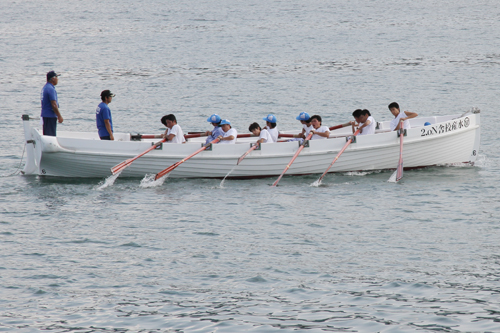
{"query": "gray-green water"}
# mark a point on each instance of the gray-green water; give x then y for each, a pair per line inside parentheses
(357, 254)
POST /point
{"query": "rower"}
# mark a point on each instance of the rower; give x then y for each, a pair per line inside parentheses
(365, 122)
(215, 121)
(230, 134)
(305, 120)
(400, 116)
(271, 126)
(263, 134)
(319, 131)
(174, 133)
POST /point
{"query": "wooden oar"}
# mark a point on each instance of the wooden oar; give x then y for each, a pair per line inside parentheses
(399, 171)
(176, 164)
(293, 158)
(121, 166)
(247, 152)
(156, 136)
(335, 127)
(338, 155)
(283, 135)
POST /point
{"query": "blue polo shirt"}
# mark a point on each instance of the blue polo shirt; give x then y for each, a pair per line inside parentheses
(101, 113)
(215, 133)
(48, 95)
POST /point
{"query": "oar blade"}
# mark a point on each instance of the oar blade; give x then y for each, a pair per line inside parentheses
(399, 170)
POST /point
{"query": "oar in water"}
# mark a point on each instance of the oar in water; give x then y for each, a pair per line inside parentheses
(399, 171)
(398, 174)
(338, 155)
(121, 166)
(176, 164)
(293, 158)
(247, 152)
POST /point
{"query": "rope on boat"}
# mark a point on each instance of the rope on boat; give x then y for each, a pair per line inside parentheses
(19, 167)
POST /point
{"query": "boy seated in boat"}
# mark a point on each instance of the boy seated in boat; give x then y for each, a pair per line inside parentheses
(271, 126)
(174, 133)
(213, 134)
(400, 116)
(230, 134)
(319, 131)
(365, 122)
(305, 120)
(263, 134)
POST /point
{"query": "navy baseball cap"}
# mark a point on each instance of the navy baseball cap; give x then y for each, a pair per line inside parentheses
(51, 74)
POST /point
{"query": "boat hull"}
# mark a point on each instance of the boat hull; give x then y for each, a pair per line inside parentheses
(449, 140)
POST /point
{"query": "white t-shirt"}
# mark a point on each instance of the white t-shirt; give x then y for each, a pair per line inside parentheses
(394, 123)
(264, 134)
(307, 128)
(179, 135)
(370, 129)
(273, 132)
(322, 129)
(232, 132)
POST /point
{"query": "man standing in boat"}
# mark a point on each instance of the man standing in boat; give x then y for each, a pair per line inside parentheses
(103, 116)
(50, 105)
(174, 133)
(400, 116)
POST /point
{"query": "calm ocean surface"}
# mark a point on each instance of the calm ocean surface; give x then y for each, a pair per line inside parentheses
(357, 254)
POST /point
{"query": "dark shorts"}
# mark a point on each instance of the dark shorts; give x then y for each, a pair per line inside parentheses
(107, 137)
(49, 126)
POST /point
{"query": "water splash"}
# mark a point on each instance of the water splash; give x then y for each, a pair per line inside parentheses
(149, 181)
(316, 183)
(222, 182)
(107, 182)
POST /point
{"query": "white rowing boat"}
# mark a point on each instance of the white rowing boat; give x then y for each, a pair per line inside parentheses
(449, 140)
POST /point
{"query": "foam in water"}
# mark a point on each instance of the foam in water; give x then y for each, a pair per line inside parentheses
(108, 181)
(149, 181)
(316, 183)
(222, 182)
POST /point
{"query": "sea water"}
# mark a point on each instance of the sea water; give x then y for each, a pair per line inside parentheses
(356, 254)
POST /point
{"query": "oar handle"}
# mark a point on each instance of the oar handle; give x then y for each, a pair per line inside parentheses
(139, 137)
(336, 127)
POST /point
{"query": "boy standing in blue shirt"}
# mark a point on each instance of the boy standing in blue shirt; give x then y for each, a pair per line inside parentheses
(50, 105)
(103, 116)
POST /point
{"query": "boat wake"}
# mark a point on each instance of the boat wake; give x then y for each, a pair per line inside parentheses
(107, 182)
(149, 181)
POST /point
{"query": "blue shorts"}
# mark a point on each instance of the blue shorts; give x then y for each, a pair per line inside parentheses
(49, 126)
(107, 137)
